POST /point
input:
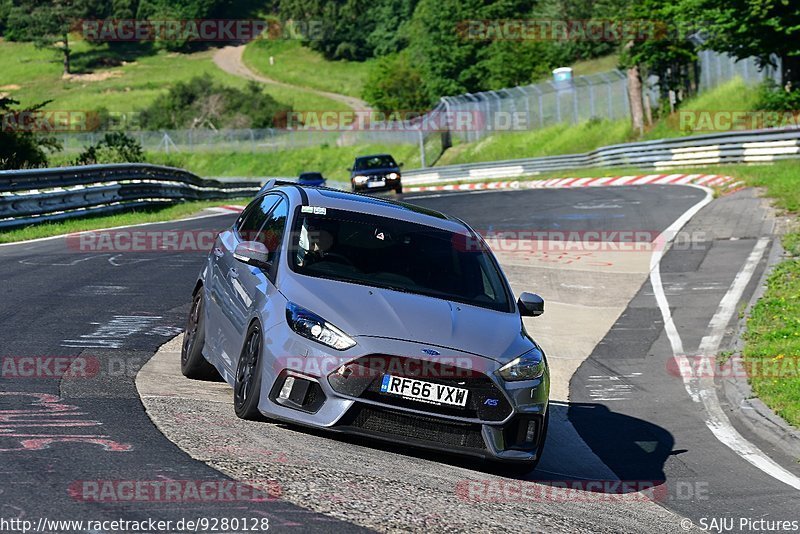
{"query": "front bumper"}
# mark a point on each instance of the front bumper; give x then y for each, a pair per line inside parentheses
(501, 421)
(390, 185)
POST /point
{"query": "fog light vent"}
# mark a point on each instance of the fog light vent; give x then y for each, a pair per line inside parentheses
(286, 390)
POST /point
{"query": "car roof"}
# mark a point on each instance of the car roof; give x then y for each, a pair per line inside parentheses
(347, 201)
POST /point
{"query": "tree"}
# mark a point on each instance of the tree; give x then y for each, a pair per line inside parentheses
(746, 28)
(452, 58)
(20, 148)
(114, 147)
(5, 8)
(200, 102)
(395, 85)
(47, 23)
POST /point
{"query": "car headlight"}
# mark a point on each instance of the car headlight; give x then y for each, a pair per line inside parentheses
(360, 179)
(393, 176)
(309, 324)
(527, 367)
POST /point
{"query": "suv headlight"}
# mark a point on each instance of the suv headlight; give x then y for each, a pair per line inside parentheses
(393, 176)
(309, 324)
(360, 179)
(527, 367)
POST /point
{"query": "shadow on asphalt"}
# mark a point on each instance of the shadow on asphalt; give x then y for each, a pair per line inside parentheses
(633, 449)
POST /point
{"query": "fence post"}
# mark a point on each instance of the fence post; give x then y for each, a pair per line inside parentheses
(421, 148)
(527, 107)
(574, 104)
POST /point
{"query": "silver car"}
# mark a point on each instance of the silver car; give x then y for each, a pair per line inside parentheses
(361, 315)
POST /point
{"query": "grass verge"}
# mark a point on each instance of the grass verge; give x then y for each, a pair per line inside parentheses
(139, 216)
(331, 161)
(299, 65)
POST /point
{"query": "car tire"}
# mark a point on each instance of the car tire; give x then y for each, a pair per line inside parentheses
(247, 383)
(193, 363)
(399, 189)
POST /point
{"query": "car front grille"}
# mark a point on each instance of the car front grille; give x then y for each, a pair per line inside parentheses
(485, 401)
(414, 427)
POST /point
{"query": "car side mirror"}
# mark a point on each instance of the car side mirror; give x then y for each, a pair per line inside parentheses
(530, 305)
(400, 164)
(349, 169)
(253, 253)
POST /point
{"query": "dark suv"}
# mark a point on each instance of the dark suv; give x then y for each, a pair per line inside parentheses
(376, 173)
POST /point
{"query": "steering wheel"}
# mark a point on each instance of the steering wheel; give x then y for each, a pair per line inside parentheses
(338, 258)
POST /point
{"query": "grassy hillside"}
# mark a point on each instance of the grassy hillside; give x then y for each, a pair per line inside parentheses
(589, 135)
(33, 75)
(299, 65)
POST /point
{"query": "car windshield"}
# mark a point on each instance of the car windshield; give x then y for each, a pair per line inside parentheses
(403, 256)
(374, 162)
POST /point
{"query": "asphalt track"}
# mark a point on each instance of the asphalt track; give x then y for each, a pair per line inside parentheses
(118, 308)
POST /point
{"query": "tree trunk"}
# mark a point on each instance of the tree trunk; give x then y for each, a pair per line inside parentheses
(635, 98)
(648, 110)
(66, 55)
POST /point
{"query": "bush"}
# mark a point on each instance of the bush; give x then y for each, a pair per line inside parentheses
(19, 148)
(114, 147)
(395, 85)
(200, 102)
(772, 97)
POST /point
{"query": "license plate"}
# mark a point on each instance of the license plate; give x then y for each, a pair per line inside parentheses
(377, 183)
(418, 390)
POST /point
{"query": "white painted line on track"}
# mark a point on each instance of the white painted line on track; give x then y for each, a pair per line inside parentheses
(704, 390)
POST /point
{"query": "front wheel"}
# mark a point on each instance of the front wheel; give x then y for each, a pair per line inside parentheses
(193, 364)
(399, 189)
(247, 387)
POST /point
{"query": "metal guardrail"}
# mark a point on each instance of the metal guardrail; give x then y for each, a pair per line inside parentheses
(38, 195)
(753, 146)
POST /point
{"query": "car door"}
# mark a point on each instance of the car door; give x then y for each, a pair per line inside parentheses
(251, 285)
(222, 309)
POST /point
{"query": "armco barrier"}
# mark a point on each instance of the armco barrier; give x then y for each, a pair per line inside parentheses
(38, 195)
(754, 146)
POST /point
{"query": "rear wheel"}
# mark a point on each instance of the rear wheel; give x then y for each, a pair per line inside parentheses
(247, 387)
(193, 364)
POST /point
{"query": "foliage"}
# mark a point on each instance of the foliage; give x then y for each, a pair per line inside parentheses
(115, 147)
(394, 84)
(771, 97)
(202, 102)
(746, 28)
(19, 148)
(356, 29)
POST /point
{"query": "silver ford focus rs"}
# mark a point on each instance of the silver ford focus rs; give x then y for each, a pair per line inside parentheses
(367, 316)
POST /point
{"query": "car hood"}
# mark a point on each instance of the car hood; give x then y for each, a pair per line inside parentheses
(363, 311)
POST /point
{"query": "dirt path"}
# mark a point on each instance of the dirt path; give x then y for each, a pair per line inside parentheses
(230, 60)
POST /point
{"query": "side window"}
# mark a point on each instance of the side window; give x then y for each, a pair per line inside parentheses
(254, 216)
(271, 234)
